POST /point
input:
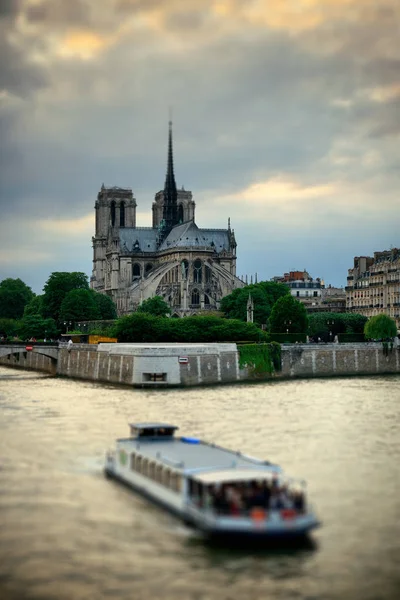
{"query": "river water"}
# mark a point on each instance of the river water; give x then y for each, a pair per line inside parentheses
(68, 533)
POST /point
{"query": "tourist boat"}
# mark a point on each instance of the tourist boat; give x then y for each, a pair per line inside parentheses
(220, 492)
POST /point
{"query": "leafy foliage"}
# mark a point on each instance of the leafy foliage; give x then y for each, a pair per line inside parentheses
(288, 338)
(260, 358)
(105, 306)
(14, 296)
(79, 305)
(155, 306)
(8, 327)
(36, 326)
(34, 307)
(142, 327)
(264, 295)
(288, 313)
(57, 287)
(380, 327)
(321, 324)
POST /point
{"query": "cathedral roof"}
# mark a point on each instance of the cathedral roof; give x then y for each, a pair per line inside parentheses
(189, 235)
(218, 238)
(184, 235)
(138, 239)
(144, 239)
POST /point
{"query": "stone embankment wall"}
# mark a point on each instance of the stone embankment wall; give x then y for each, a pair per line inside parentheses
(152, 364)
(30, 361)
(147, 365)
(329, 360)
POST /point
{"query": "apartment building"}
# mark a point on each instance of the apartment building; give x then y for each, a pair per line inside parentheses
(373, 285)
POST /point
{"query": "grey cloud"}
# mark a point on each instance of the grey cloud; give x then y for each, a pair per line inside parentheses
(59, 12)
(185, 21)
(18, 74)
(246, 107)
(9, 8)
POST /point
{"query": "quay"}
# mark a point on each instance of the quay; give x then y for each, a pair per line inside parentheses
(176, 364)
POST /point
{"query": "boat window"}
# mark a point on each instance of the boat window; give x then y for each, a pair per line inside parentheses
(145, 466)
(152, 470)
(133, 459)
(159, 471)
(138, 463)
(166, 477)
(155, 432)
(177, 483)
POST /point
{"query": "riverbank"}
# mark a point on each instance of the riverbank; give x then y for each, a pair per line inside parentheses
(165, 365)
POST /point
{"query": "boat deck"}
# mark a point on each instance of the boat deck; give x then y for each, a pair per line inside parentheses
(191, 456)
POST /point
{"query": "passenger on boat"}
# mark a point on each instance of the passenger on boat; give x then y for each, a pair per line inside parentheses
(242, 498)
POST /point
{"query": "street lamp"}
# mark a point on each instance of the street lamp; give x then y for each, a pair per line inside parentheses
(287, 324)
(330, 323)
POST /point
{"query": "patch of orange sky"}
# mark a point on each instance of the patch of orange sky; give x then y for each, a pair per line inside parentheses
(71, 227)
(280, 188)
(287, 15)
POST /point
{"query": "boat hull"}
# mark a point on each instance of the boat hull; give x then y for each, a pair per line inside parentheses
(220, 533)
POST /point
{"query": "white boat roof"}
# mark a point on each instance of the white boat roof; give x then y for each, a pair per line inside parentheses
(193, 456)
(224, 475)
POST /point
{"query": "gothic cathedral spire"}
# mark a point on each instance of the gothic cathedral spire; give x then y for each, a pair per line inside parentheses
(170, 209)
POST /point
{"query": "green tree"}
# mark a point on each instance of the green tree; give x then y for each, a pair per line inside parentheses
(288, 314)
(14, 296)
(57, 287)
(79, 305)
(34, 307)
(8, 327)
(36, 326)
(138, 327)
(155, 306)
(105, 306)
(321, 324)
(142, 327)
(264, 295)
(380, 327)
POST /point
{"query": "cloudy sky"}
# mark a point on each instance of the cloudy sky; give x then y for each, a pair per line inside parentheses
(286, 119)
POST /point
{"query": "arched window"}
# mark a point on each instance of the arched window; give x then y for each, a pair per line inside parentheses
(136, 271)
(208, 273)
(197, 271)
(185, 269)
(206, 300)
(122, 215)
(113, 213)
(148, 268)
(180, 213)
(195, 298)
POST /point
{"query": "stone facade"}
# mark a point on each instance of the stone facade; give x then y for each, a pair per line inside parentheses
(151, 365)
(191, 268)
(373, 285)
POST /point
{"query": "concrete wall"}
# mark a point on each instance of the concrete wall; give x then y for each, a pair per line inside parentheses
(30, 361)
(150, 365)
(329, 360)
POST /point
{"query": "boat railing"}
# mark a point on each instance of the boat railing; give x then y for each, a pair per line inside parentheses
(256, 513)
(171, 461)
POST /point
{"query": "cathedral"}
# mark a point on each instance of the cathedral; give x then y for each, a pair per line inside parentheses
(191, 268)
